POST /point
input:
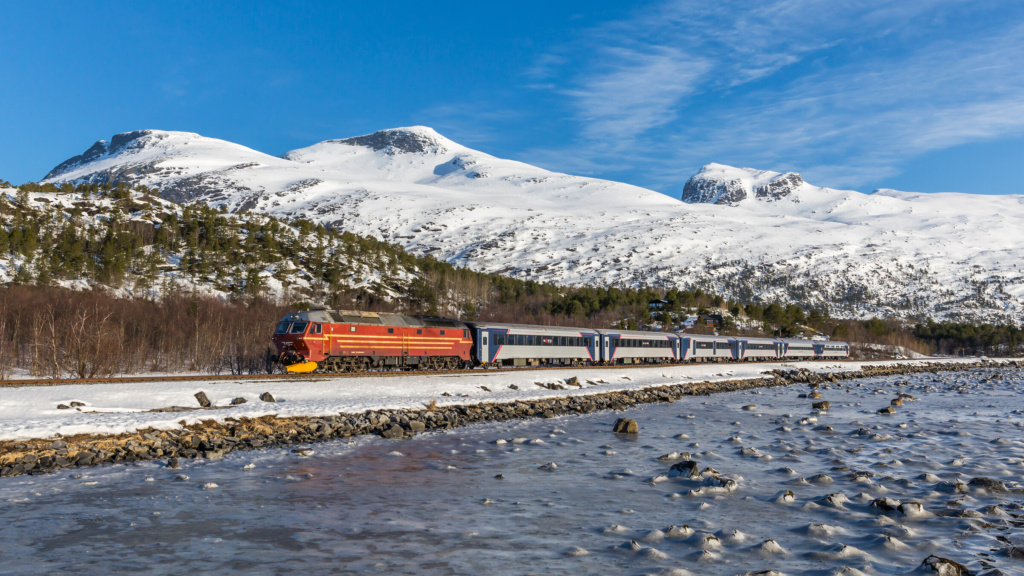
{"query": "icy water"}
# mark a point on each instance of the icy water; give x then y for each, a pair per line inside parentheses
(572, 496)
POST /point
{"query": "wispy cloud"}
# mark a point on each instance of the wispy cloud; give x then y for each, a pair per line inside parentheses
(845, 91)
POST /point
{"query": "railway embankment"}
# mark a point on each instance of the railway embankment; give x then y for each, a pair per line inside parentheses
(213, 438)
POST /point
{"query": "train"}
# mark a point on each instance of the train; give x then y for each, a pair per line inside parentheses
(330, 341)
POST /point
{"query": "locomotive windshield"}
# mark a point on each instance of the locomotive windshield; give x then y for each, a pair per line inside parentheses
(298, 328)
(282, 328)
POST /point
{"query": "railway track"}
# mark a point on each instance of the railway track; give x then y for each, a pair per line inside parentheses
(326, 376)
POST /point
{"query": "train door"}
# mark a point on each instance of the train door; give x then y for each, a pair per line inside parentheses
(606, 340)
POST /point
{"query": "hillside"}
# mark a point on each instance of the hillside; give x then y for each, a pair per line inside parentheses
(750, 235)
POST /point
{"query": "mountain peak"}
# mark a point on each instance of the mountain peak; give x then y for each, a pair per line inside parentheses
(723, 184)
(408, 140)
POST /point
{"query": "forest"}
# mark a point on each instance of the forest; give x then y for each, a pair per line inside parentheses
(102, 280)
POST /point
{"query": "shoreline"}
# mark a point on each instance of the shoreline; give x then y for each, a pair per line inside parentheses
(213, 439)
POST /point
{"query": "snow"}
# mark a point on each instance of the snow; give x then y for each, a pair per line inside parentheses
(491, 498)
(945, 255)
(31, 411)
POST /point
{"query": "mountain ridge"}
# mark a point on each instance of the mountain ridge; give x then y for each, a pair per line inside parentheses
(750, 234)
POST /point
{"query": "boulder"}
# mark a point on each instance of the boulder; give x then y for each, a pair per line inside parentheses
(945, 566)
(988, 484)
(887, 410)
(823, 405)
(685, 469)
(395, 431)
(237, 401)
(626, 426)
(267, 397)
(202, 399)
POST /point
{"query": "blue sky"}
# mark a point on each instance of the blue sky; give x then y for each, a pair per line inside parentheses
(920, 96)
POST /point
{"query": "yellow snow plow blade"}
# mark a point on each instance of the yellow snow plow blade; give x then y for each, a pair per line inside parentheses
(301, 367)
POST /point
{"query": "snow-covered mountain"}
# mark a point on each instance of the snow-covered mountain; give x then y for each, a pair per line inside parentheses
(739, 231)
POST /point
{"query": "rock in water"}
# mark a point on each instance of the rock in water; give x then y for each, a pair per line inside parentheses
(626, 426)
(823, 405)
(988, 484)
(686, 469)
(945, 567)
(887, 410)
(203, 400)
(267, 397)
(395, 431)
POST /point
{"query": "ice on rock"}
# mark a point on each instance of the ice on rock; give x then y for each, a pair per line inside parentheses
(840, 552)
(683, 531)
(576, 551)
(771, 548)
(819, 530)
(653, 536)
(710, 542)
(785, 497)
(615, 529)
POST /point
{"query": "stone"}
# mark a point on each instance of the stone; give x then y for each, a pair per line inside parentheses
(887, 410)
(750, 407)
(77, 404)
(945, 566)
(823, 405)
(886, 504)
(573, 381)
(267, 397)
(395, 431)
(237, 401)
(416, 426)
(988, 484)
(62, 407)
(896, 402)
(626, 426)
(172, 463)
(202, 399)
(685, 469)
(58, 445)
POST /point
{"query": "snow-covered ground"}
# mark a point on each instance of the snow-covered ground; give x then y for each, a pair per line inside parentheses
(31, 412)
(803, 496)
(886, 252)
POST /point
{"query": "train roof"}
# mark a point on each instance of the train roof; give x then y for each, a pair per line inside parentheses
(637, 333)
(372, 319)
(705, 337)
(530, 327)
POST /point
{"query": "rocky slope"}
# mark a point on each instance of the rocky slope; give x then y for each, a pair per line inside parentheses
(745, 233)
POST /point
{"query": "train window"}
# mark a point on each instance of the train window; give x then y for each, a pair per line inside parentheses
(318, 329)
(485, 339)
(282, 328)
(391, 330)
(499, 339)
(299, 328)
(442, 332)
(465, 333)
(419, 331)
(351, 328)
(529, 340)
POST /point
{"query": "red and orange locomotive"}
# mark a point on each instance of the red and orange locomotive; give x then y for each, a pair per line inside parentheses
(348, 341)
